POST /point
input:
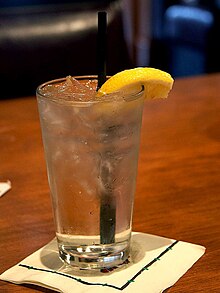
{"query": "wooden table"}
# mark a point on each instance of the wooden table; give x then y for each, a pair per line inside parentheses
(178, 187)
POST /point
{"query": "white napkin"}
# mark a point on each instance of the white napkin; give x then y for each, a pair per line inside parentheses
(156, 263)
(4, 187)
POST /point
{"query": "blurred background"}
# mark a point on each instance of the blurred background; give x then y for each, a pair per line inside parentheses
(46, 39)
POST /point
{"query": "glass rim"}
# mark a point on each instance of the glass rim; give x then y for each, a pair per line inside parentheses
(127, 97)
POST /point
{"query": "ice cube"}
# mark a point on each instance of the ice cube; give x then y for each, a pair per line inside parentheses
(77, 90)
(71, 90)
(74, 85)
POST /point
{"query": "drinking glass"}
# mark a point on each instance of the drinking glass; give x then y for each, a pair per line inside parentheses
(91, 151)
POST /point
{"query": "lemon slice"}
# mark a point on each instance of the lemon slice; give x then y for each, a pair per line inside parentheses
(157, 83)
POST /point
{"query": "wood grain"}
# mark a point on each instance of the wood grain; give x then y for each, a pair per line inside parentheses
(178, 186)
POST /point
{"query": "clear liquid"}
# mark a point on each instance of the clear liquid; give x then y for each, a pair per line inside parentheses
(77, 250)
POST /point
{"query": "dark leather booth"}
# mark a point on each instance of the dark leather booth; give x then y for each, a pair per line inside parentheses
(43, 40)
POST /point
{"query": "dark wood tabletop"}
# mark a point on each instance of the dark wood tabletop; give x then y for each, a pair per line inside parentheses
(178, 186)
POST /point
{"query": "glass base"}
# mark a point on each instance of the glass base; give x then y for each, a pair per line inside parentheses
(98, 256)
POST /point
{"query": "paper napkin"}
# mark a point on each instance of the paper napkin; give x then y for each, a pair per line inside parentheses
(4, 187)
(155, 264)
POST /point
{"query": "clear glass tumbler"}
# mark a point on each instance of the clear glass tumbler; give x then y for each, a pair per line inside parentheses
(91, 150)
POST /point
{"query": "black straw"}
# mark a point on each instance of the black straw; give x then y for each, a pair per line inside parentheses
(107, 205)
(107, 199)
(101, 47)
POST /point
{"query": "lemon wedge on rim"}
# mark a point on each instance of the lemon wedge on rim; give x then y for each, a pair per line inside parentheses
(157, 83)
